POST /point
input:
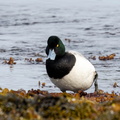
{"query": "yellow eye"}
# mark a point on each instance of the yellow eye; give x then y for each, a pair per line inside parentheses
(57, 45)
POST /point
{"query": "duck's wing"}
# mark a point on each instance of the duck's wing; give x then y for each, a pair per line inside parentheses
(91, 67)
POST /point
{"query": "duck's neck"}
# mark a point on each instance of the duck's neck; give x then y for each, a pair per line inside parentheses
(60, 56)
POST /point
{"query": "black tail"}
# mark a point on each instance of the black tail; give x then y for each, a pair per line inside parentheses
(95, 80)
(96, 76)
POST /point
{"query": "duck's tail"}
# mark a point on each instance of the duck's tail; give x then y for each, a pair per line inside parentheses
(95, 81)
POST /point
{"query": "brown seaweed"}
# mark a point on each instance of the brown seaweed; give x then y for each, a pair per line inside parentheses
(42, 105)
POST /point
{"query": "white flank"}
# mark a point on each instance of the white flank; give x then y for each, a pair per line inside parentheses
(80, 77)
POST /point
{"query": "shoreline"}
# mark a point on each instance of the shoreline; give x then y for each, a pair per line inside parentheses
(42, 105)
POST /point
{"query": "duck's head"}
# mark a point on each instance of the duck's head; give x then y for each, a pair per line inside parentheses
(55, 48)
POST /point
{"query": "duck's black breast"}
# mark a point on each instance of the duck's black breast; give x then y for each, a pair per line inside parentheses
(61, 66)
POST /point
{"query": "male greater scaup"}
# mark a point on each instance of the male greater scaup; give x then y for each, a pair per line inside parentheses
(68, 70)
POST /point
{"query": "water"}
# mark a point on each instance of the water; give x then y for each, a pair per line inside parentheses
(93, 27)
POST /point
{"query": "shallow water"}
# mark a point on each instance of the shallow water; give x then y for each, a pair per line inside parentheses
(93, 27)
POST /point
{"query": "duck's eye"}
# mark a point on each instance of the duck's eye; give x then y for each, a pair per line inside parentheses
(57, 45)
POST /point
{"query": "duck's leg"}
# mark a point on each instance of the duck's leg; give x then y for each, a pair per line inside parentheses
(96, 83)
(64, 91)
(96, 86)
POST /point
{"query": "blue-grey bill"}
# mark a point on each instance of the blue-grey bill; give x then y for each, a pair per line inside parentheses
(51, 54)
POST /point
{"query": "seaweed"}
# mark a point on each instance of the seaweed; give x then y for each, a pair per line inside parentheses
(42, 105)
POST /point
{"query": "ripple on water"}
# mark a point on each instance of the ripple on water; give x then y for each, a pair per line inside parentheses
(91, 28)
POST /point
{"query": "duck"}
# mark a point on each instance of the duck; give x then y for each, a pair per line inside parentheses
(69, 71)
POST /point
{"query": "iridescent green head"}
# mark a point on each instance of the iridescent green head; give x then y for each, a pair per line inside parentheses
(55, 47)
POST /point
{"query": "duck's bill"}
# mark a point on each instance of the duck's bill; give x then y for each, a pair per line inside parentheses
(51, 54)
